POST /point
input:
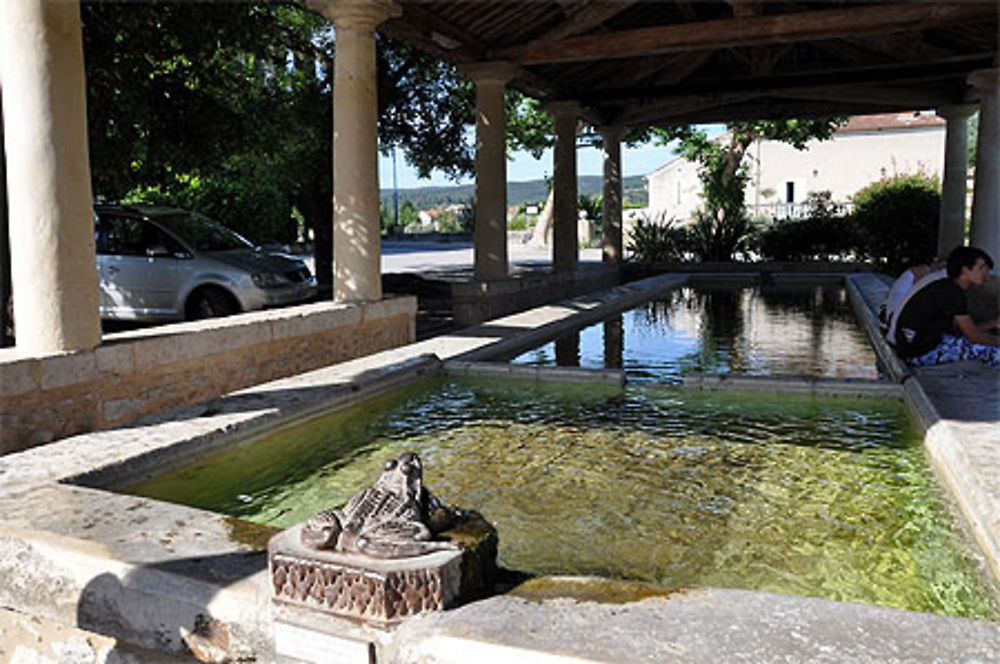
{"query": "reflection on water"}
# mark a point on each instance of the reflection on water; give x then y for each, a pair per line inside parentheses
(757, 330)
(827, 498)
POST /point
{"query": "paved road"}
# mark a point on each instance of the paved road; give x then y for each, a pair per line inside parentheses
(458, 257)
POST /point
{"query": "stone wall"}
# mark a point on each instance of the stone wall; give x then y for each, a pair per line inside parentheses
(477, 301)
(141, 372)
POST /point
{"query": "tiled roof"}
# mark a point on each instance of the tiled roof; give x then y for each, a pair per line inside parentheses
(883, 121)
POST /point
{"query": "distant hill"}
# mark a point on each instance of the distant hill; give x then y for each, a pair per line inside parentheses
(534, 191)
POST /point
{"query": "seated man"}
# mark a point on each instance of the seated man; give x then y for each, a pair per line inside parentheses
(934, 326)
(909, 281)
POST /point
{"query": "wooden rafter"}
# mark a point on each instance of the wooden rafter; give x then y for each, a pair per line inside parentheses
(913, 72)
(764, 103)
(586, 18)
(744, 8)
(431, 28)
(750, 31)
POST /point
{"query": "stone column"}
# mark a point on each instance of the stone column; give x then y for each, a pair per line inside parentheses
(568, 350)
(53, 257)
(984, 231)
(357, 246)
(951, 228)
(614, 342)
(490, 236)
(612, 196)
(565, 249)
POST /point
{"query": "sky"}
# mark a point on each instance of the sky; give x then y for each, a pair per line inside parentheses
(522, 167)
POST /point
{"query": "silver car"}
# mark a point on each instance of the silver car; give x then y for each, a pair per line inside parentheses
(162, 264)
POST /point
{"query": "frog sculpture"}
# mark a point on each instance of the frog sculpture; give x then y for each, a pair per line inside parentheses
(394, 518)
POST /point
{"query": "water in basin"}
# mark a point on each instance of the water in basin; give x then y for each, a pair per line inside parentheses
(819, 497)
(774, 329)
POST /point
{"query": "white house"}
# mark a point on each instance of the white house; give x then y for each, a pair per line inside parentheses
(866, 149)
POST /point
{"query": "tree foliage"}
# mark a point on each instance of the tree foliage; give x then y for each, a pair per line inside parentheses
(425, 108)
(897, 220)
(197, 104)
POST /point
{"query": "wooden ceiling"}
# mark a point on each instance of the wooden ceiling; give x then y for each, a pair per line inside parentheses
(647, 62)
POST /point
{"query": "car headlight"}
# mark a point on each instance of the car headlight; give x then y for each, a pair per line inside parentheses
(268, 279)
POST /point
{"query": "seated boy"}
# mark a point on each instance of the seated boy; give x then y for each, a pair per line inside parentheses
(934, 326)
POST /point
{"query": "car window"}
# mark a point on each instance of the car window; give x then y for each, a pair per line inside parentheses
(203, 233)
(124, 235)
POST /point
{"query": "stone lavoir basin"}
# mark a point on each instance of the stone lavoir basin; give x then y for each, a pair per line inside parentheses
(819, 497)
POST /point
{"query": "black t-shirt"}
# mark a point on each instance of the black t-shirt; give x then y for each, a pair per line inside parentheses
(927, 315)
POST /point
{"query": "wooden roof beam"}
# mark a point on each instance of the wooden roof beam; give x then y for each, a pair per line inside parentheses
(739, 106)
(587, 18)
(434, 33)
(910, 74)
(749, 31)
(744, 8)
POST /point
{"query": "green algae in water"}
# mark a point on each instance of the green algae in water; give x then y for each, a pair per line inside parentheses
(799, 495)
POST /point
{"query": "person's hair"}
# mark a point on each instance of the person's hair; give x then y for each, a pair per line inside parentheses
(966, 257)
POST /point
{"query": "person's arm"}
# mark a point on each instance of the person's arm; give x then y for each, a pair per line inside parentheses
(989, 324)
(974, 334)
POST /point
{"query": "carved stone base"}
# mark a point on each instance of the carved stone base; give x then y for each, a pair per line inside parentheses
(374, 590)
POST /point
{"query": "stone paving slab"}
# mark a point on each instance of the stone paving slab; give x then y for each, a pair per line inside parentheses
(702, 625)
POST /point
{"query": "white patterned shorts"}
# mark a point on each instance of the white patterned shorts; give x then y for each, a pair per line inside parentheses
(955, 348)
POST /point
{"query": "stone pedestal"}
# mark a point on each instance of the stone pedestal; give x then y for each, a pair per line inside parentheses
(377, 591)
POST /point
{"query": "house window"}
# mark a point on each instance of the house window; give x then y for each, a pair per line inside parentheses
(789, 192)
(678, 192)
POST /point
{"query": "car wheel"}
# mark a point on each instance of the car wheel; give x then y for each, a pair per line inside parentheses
(211, 303)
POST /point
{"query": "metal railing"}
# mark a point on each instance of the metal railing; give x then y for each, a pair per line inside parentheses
(793, 210)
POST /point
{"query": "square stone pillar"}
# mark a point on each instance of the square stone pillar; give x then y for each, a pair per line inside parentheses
(612, 195)
(490, 234)
(565, 244)
(984, 230)
(357, 243)
(53, 255)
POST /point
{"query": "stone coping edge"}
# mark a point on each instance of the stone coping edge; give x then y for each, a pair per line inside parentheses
(793, 384)
(944, 446)
(545, 374)
(864, 310)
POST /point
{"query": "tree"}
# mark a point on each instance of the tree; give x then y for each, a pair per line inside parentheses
(226, 107)
(722, 228)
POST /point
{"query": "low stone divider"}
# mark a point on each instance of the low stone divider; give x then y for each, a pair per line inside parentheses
(543, 374)
(791, 384)
(140, 372)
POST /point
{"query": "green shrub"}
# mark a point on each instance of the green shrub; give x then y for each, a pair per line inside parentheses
(520, 222)
(821, 235)
(720, 237)
(897, 220)
(659, 240)
(593, 206)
